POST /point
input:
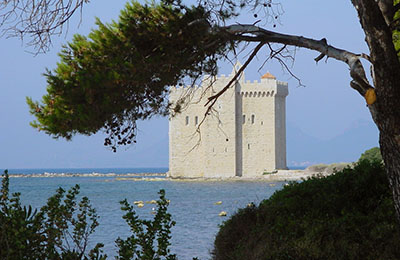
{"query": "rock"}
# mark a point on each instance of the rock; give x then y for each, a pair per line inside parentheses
(327, 169)
(218, 203)
(138, 202)
(319, 168)
(336, 167)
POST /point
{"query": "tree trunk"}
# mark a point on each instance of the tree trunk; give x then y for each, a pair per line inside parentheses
(390, 149)
(375, 21)
(387, 119)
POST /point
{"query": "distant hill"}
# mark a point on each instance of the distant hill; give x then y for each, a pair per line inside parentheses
(303, 149)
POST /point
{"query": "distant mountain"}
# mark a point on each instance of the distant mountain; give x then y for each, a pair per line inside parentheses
(303, 149)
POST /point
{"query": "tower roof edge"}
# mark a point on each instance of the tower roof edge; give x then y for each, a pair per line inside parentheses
(268, 76)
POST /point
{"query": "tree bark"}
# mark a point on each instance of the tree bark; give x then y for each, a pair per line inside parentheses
(375, 18)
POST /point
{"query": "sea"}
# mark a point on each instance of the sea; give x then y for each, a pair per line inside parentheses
(192, 203)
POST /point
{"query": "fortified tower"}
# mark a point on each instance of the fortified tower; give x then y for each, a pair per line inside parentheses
(244, 136)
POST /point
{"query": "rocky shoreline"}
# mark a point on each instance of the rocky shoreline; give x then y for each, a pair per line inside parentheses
(280, 175)
(275, 176)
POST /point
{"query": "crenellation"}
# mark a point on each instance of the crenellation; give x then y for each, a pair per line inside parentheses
(245, 135)
(282, 83)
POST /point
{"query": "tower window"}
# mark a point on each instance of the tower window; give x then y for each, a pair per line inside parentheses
(248, 146)
(253, 118)
(187, 120)
(196, 120)
(244, 119)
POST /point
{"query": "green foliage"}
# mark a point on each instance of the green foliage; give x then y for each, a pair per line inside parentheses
(147, 235)
(348, 215)
(373, 154)
(396, 29)
(61, 228)
(121, 72)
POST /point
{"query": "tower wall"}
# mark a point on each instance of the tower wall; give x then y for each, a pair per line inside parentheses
(258, 140)
(280, 125)
(220, 134)
(186, 150)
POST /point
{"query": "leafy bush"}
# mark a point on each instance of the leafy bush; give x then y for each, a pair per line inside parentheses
(147, 234)
(373, 154)
(348, 215)
(61, 228)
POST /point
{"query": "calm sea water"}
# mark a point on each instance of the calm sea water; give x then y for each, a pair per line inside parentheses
(192, 202)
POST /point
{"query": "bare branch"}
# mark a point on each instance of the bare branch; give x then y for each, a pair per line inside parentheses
(39, 20)
(214, 98)
(277, 54)
(246, 32)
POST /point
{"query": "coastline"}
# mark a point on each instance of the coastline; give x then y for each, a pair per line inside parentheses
(275, 176)
(280, 175)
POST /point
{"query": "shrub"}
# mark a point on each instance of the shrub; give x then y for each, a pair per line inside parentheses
(348, 215)
(61, 228)
(373, 154)
(149, 239)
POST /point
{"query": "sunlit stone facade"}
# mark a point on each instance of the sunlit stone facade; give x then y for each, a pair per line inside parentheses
(244, 136)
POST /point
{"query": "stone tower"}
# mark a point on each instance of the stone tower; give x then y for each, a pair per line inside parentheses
(244, 136)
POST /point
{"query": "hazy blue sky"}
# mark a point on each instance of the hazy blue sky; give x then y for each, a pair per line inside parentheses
(325, 108)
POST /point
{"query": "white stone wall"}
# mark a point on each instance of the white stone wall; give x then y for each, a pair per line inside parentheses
(225, 145)
(220, 136)
(259, 127)
(186, 151)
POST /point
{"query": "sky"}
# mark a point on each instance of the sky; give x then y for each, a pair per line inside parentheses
(323, 109)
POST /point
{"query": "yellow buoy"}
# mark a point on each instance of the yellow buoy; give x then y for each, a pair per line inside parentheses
(218, 203)
(222, 214)
(370, 96)
(251, 205)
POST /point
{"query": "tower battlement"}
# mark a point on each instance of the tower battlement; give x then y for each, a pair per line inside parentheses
(245, 135)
